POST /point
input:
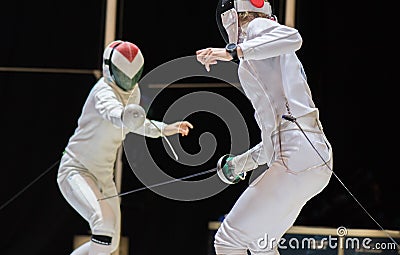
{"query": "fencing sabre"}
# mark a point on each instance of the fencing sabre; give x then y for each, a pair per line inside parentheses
(58, 161)
(291, 118)
(160, 184)
(165, 138)
(135, 116)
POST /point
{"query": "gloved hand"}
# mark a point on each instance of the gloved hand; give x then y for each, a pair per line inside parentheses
(226, 170)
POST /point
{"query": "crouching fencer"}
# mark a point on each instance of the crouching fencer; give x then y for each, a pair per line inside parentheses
(86, 170)
(299, 164)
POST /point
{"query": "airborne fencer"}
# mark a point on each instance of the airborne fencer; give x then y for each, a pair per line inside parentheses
(274, 80)
(86, 172)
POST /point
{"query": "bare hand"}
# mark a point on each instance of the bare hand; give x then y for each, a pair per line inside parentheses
(209, 56)
(181, 127)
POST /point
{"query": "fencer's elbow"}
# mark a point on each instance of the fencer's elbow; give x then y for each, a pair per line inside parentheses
(298, 41)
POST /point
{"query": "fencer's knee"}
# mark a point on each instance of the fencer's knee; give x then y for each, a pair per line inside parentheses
(103, 226)
(106, 228)
(226, 245)
(103, 222)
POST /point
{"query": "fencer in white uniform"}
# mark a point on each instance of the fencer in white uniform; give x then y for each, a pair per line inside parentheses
(86, 171)
(274, 80)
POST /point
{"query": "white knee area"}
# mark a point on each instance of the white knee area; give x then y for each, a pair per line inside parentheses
(225, 243)
(105, 225)
(103, 222)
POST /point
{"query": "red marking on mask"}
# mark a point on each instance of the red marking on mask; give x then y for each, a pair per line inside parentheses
(128, 50)
(257, 3)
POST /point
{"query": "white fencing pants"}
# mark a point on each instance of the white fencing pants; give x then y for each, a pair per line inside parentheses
(82, 191)
(271, 204)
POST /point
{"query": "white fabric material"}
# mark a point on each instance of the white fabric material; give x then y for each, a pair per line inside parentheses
(243, 163)
(125, 96)
(272, 77)
(86, 171)
(106, 67)
(243, 32)
(87, 167)
(271, 204)
(230, 20)
(100, 131)
(277, 78)
(231, 25)
(249, 160)
(267, 39)
(82, 189)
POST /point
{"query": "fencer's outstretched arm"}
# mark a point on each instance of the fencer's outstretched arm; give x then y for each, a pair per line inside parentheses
(111, 109)
(132, 116)
(155, 129)
(267, 39)
(151, 128)
(255, 156)
(250, 159)
(232, 169)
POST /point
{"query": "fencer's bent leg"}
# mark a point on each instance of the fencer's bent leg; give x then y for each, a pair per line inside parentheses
(263, 209)
(82, 192)
(271, 204)
(108, 191)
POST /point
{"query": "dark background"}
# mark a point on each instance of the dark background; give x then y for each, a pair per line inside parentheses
(348, 50)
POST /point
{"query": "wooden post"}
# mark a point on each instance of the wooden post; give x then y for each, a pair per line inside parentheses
(110, 22)
(109, 36)
(290, 13)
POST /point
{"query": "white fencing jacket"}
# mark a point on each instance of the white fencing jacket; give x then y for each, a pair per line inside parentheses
(272, 77)
(100, 130)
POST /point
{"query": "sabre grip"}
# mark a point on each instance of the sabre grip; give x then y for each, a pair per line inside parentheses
(226, 171)
(133, 116)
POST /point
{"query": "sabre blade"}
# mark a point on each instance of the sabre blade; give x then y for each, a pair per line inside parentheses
(160, 184)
